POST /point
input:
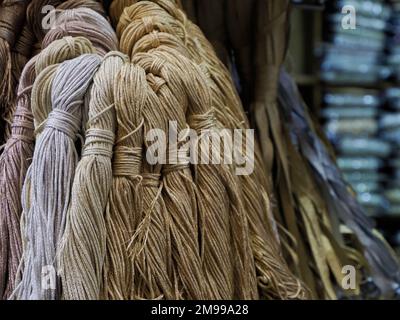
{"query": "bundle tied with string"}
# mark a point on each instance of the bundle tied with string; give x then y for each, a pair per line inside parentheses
(19, 150)
(178, 188)
(14, 163)
(177, 183)
(84, 22)
(83, 248)
(223, 224)
(159, 20)
(150, 247)
(220, 283)
(49, 180)
(118, 6)
(35, 16)
(94, 5)
(36, 25)
(12, 17)
(124, 208)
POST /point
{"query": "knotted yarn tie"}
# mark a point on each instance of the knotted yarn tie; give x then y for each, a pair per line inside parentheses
(155, 82)
(99, 142)
(205, 121)
(148, 24)
(181, 150)
(127, 161)
(64, 121)
(71, 44)
(24, 120)
(151, 180)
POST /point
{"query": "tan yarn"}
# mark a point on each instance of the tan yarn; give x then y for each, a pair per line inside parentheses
(230, 115)
(150, 248)
(179, 190)
(220, 208)
(219, 285)
(84, 243)
(124, 208)
(90, 4)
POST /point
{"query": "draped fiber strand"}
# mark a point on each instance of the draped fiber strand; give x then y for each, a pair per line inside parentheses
(83, 249)
(53, 166)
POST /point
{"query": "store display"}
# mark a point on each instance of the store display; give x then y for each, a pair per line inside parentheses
(88, 196)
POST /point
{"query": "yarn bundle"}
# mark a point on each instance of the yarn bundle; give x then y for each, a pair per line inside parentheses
(91, 212)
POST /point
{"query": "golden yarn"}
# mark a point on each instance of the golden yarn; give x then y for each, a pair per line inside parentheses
(83, 247)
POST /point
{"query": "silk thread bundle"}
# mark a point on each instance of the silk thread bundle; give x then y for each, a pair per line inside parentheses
(83, 247)
(41, 108)
(14, 163)
(289, 287)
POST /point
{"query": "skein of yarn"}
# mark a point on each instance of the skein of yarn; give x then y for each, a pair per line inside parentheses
(89, 198)
(224, 234)
(124, 208)
(12, 16)
(14, 163)
(178, 188)
(62, 124)
(84, 22)
(67, 48)
(161, 17)
(83, 248)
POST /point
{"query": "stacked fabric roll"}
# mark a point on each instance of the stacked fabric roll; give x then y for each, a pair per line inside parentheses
(351, 122)
(367, 37)
(390, 131)
(390, 124)
(352, 115)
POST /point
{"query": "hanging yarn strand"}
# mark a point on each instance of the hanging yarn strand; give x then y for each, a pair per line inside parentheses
(124, 208)
(179, 189)
(14, 163)
(52, 172)
(150, 247)
(148, 25)
(84, 245)
(225, 201)
(12, 17)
